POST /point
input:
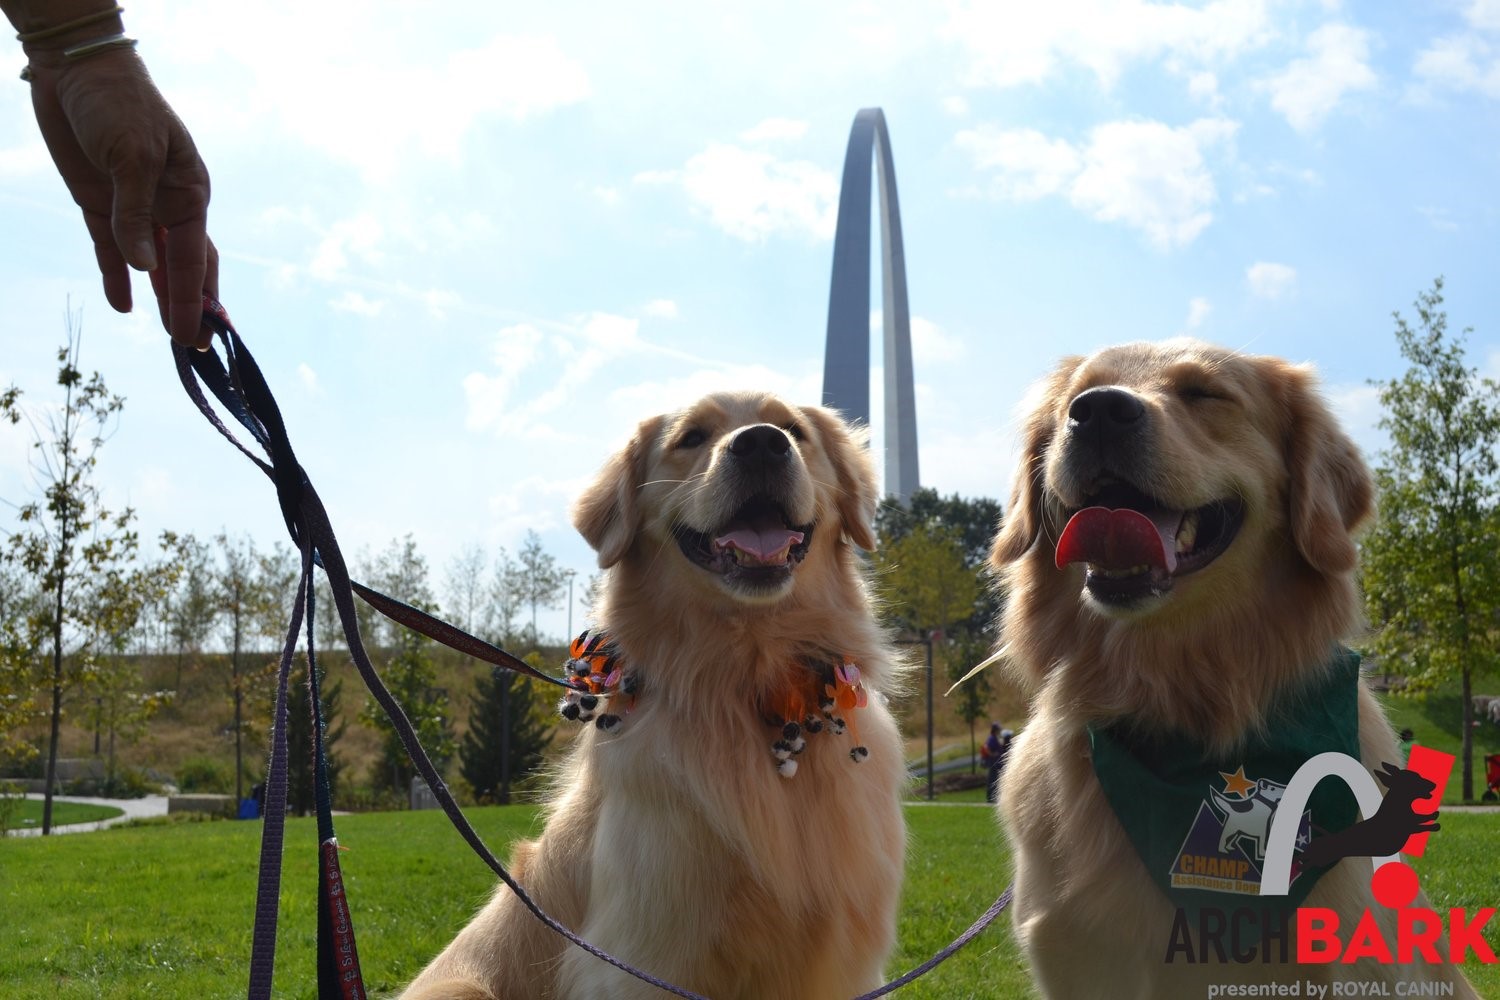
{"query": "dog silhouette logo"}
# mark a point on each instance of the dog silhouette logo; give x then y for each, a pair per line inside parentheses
(1386, 832)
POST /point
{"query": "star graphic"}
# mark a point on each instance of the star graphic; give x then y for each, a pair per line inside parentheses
(1237, 783)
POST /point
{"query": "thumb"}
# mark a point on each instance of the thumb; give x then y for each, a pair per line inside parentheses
(131, 220)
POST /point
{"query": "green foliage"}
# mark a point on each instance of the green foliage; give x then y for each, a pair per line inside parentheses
(76, 552)
(541, 580)
(968, 523)
(923, 579)
(511, 723)
(300, 796)
(1431, 567)
(409, 672)
(206, 775)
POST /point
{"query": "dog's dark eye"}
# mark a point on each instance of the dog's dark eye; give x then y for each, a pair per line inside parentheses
(795, 430)
(692, 439)
(1194, 393)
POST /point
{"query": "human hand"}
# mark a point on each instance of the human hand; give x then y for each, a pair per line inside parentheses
(131, 166)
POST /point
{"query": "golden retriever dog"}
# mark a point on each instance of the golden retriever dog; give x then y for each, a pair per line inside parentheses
(730, 818)
(1180, 562)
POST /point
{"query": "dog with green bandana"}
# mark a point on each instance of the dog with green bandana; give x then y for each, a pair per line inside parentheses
(1180, 566)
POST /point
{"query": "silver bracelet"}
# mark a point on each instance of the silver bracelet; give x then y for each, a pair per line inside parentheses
(99, 45)
(86, 49)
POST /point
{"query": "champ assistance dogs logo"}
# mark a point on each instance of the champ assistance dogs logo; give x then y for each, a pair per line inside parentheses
(1225, 848)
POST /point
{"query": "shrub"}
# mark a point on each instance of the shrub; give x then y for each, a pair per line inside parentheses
(206, 775)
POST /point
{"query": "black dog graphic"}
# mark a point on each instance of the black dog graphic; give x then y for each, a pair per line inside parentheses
(1384, 833)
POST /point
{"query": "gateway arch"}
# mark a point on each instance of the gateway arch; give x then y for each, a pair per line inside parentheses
(846, 359)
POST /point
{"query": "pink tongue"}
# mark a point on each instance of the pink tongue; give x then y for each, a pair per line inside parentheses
(1120, 539)
(760, 544)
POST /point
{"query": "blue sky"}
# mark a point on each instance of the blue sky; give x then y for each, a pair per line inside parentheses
(472, 245)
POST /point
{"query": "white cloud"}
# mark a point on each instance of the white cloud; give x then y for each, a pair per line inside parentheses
(1152, 177)
(775, 130)
(930, 343)
(955, 105)
(1027, 164)
(753, 195)
(516, 349)
(358, 236)
(1461, 63)
(353, 302)
(1198, 310)
(1270, 281)
(1358, 410)
(1145, 174)
(1311, 88)
(1204, 86)
(309, 378)
(664, 395)
(1012, 44)
(661, 309)
(606, 193)
(29, 158)
(1484, 14)
(373, 101)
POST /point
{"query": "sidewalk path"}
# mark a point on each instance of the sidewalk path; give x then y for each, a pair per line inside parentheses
(149, 805)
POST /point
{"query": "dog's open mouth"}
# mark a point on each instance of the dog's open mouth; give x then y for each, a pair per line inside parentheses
(757, 548)
(1135, 547)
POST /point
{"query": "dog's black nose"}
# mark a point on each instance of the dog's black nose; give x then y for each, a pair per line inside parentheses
(1107, 411)
(764, 443)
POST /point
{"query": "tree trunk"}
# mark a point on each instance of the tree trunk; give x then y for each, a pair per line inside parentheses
(1468, 742)
(504, 795)
(51, 782)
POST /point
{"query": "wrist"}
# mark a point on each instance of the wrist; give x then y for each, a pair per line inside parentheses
(66, 27)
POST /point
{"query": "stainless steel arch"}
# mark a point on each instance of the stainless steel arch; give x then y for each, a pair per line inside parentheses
(846, 359)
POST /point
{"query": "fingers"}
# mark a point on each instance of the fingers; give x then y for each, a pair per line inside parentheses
(186, 269)
(135, 180)
(111, 265)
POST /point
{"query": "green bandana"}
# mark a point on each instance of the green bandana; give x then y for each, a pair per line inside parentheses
(1199, 825)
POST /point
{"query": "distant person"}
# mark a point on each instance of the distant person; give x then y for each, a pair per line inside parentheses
(126, 158)
(993, 754)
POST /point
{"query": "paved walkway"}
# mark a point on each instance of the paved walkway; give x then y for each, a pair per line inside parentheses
(150, 805)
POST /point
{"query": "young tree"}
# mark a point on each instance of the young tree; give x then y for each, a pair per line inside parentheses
(22, 607)
(972, 523)
(972, 699)
(191, 609)
(510, 727)
(1431, 569)
(300, 795)
(924, 580)
(401, 572)
(542, 580)
(111, 680)
(506, 595)
(69, 543)
(241, 598)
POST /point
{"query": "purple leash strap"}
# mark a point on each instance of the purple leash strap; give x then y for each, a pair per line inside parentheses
(242, 390)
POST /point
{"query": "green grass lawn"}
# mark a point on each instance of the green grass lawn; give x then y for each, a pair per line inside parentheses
(165, 911)
(28, 812)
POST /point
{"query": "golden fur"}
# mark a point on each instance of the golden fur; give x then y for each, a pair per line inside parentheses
(1204, 659)
(673, 843)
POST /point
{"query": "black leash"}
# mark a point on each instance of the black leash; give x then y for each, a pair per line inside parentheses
(242, 391)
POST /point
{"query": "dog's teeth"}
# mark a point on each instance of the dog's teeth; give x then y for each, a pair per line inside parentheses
(1187, 534)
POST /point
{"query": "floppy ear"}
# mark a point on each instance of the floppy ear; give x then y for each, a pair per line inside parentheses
(1329, 488)
(1022, 520)
(608, 514)
(849, 452)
